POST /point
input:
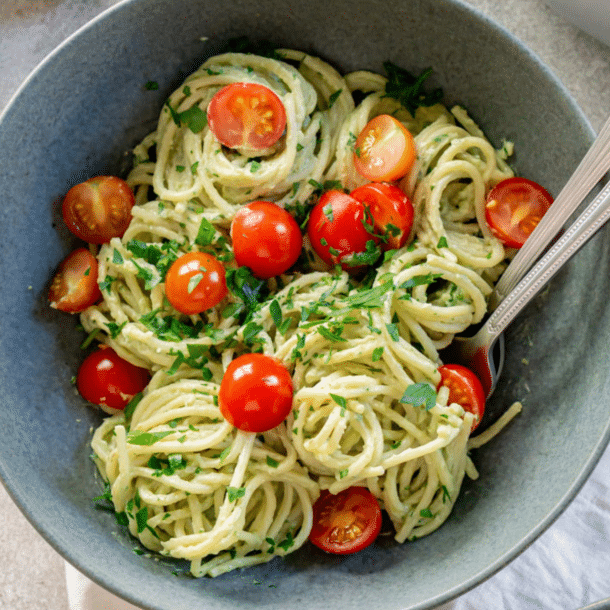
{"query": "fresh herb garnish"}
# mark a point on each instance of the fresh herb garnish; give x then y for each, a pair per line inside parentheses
(419, 395)
(408, 89)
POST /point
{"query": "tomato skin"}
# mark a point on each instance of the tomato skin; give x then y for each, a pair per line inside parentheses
(195, 282)
(384, 150)
(346, 522)
(513, 209)
(98, 209)
(255, 393)
(465, 388)
(74, 286)
(266, 238)
(337, 230)
(246, 115)
(389, 206)
(105, 379)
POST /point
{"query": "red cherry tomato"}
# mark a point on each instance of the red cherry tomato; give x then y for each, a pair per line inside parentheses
(255, 393)
(391, 209)
(246, 115)
(105, 379)
(465, 389)
(74, 287)
(195, 282)
(384, 150)
(266, 238)
(338, 229)
(346, 522)
(514, 208)
(98, 209)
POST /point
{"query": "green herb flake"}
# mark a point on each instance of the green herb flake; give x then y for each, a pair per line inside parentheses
(194, 282)
(334, 97)
(131, 406)
(142, 519)
(377, 353)
(340, 400)
(271, 462)
(276, 313)
(420, 280)
(117, 257)
(138, 437)
(106, 283)
(419, 395)
(408, 89)
(151, 85)
(393, 331)
(194, 118)
(287, 543)
(234, 493)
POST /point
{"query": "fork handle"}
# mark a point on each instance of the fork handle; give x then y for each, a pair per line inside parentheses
(585, 226)
(588, 173)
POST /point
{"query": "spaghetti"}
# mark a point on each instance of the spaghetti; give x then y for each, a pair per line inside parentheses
(191, 485)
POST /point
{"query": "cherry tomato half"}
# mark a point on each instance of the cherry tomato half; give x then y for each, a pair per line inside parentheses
(74, 287)
(391, 209)
(346, 522)
(514, 208)
(195, 282)
(384, 150)
(105, 379)
(338, 229)
(266, 238)
(246, 115)
(465, 389)
(255, 393)
(99, 209)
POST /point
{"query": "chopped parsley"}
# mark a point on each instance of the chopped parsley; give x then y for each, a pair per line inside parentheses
(234, 493)
(420, 395)
(408, 89)
(194, 118)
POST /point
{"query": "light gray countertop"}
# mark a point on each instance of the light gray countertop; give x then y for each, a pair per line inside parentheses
(31, 573)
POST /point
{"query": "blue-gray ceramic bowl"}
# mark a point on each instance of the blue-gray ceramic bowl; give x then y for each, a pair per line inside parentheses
(86, 105)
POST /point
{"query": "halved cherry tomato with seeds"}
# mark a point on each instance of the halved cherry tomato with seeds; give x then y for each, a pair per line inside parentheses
(266, 238)
(98, 209)
(246, 115)
(465, 389)
(255, 393)
(346, 522)
(106, 379)
(391, 209)
(384, 150)
(514, 208)
(340, 230)
(195, 282)
(74, 287)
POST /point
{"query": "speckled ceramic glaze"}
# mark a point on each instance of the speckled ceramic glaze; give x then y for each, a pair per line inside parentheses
(86, 105)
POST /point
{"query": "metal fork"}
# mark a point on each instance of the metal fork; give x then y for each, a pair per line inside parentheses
(476, 352)
(589, 172)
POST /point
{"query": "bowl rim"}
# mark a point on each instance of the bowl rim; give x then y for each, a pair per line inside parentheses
(105, 581)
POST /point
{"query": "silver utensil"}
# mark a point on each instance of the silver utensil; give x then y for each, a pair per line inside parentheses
(588, 173)
(476, 352)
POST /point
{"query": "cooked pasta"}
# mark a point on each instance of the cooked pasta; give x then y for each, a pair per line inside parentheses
(191, 485)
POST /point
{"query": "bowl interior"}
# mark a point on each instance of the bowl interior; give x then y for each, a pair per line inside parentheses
(86, 105)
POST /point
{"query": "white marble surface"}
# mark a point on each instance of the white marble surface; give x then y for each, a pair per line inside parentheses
(32, 575)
